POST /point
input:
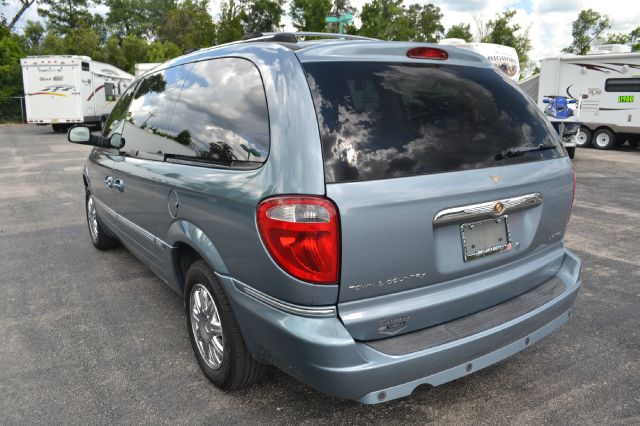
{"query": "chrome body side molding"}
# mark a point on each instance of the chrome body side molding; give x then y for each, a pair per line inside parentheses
(479, 211)
(306, 311)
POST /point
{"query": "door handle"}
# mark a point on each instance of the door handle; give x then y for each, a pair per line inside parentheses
(118, 184)
(109, 181)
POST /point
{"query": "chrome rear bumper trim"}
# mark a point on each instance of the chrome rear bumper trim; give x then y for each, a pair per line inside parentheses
(473, 212)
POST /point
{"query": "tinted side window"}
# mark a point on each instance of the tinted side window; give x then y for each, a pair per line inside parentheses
(113, 125)
(149, 116)
(622, 85)
(221, 116)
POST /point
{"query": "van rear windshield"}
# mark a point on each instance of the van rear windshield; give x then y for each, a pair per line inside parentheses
(382, 120)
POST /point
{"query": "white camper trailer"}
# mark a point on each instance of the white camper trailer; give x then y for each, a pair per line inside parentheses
(504, 58)
(605, 87)
(67, 90)
(143, 67)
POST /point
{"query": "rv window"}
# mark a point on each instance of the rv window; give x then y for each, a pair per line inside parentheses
(108, 92)
(622, 85)
(85, 66)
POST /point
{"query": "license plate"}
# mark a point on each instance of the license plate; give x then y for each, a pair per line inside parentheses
(485, 237)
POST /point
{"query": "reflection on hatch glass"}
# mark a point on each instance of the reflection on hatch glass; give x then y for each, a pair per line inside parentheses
(382, 120)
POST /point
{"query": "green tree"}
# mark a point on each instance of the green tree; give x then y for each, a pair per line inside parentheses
(33, 37)
(462, 31)
(501, 31)
(230, 23)
(189, 25)
(24, 5)
(634, 39)
(262, 16)
(309, 15)
(127, 17)
(10, 74)
(427, 24)
(615, 38)
(64, 15)
(162, 51)
(587, 28)
(387, 20)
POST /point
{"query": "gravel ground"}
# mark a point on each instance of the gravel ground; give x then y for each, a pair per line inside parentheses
(94, 337)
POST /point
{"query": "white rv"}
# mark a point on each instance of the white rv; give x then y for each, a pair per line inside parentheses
(142, 68)
(67, 90)
(504, 58)
(605, 86)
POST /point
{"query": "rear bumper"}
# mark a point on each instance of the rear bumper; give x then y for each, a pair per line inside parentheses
(315, 347)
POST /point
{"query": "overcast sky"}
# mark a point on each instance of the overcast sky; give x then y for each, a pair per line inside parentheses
(549, 20)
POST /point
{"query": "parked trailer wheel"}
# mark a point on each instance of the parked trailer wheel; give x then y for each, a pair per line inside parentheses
(604, 139)
(583, 138)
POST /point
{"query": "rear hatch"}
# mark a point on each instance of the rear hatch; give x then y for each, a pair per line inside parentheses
(445, 207)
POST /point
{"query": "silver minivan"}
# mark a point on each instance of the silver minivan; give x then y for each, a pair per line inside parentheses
(367, 216)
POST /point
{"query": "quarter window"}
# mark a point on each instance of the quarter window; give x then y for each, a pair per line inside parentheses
(221, 116)
(622, 85)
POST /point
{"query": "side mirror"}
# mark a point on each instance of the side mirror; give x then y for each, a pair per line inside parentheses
(80, 135)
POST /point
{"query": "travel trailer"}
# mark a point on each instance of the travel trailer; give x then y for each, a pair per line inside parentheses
(603, 89)
(67, 90)
(143, 67)
(505, 58)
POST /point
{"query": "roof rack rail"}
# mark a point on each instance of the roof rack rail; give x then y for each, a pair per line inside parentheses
(292, 37)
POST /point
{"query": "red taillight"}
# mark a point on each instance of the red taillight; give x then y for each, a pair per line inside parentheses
(427, 53)
(302, 235)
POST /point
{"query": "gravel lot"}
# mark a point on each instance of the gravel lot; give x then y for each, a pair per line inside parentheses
(94, 337)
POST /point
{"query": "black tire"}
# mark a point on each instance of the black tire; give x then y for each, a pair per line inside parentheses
(604, 139)
(571, 151)
(58, 128)
(238, 368)
(583, 139)
(100, 238)
(634, 143)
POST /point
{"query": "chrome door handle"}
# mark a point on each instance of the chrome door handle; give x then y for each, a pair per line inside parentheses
(118, 184)
(109, 181)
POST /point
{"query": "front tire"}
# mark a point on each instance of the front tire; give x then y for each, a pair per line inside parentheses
(214, 332)
(604, 139)
(99, 237)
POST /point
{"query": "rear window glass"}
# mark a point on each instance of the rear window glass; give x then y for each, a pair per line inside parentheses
(381, 121)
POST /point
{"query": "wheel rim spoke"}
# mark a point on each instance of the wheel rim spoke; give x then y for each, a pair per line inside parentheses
(206, 326)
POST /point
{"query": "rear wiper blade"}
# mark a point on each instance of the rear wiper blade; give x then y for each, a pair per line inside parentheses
(516, 152)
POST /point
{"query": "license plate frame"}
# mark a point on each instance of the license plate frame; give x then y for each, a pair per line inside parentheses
(480, 233)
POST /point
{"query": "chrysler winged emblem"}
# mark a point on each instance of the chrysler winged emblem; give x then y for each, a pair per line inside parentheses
(498, 208)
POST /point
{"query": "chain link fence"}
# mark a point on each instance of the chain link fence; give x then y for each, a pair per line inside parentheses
(12, 110)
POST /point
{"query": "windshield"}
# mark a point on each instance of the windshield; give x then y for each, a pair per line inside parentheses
(382, 120)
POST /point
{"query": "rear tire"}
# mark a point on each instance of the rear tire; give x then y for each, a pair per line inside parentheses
(100, 238)
(604, 139)
(59, 128)
(583, 138)
(214, 332)
(571, 151)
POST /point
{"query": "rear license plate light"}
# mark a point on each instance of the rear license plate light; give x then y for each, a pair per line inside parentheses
(485, 237)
